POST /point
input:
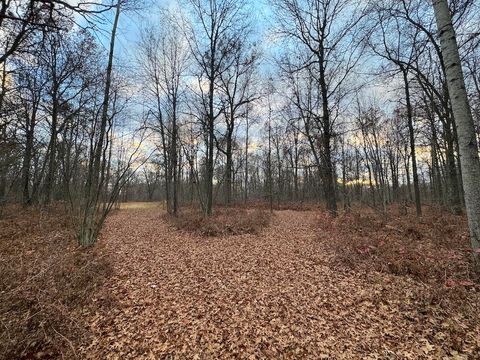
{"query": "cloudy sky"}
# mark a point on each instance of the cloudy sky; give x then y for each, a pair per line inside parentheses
(147, 14)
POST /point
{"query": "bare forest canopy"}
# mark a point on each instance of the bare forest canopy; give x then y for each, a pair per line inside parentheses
(227, 101)
(266, 179)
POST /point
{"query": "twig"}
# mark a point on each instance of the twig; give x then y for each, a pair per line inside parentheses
(6, 330)
(68, 340)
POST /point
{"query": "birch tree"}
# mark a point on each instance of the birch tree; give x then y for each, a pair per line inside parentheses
(464, 120)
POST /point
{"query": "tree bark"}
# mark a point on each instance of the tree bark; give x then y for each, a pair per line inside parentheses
(52, 147)
(246, 158)
(228, 171)
(329, 181)
(210, 152)
(27, 157)
(464, 121)
(174, 159)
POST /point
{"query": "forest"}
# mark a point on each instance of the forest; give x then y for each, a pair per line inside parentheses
(273, 179)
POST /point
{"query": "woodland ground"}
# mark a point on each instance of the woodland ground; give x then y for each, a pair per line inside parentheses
(296, 285)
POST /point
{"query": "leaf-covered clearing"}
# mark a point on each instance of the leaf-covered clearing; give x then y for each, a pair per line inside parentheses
(282, 293)
(305, 286)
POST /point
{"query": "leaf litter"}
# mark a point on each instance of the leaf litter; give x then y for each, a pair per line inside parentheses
(300, 285)
(284, 292)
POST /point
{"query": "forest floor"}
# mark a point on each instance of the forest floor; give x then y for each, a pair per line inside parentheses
(304, 286)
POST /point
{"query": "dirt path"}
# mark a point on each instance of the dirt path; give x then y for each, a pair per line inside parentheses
(274, 295)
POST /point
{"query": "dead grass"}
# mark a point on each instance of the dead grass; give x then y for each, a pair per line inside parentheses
(431, 259)
(434, 249)
(140, 205)
(224, 221)
(283, 205)
(46, 281)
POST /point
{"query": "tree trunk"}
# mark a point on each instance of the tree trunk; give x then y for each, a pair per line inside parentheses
(246, 159)
(27, 158)
(90, 226)
(270, 177)
(464, 121)
(416, 187)
(295, 171)
(228, 171)
(52, 147)
(329, 172)
(173, 157)
(210, 152)
(210, 140)
(451, 169)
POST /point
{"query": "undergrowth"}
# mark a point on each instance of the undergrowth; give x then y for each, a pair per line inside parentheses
(434, 250)
(428, 259)
(46, 281)
(224, 221)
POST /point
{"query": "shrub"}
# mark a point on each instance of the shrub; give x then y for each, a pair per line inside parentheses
(435, 249)
(224, 221)
(46, 280)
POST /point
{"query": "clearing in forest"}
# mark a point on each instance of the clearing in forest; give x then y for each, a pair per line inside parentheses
(287, 292)
(297, 284)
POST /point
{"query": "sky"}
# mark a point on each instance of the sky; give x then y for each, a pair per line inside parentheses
(384, 93)
(132, 22)
(147, 14)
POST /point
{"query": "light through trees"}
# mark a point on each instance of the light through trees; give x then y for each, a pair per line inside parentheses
(332, 101)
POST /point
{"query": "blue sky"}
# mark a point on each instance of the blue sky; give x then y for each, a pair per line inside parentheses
(261, 17)
(131, 23)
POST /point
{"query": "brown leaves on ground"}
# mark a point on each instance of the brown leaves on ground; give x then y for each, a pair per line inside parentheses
(281, 293)
(303, 287)
(429, 258)
(433, 249)
(224, 221)
(45, 280)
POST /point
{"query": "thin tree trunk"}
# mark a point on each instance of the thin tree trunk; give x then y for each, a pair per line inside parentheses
(246, 158)
(89, 227)
(416, 188)
(210, 137)
(174, 160)
(53, 148)
(451, 169)
(27, 158)
(270, 177)
(228, 171)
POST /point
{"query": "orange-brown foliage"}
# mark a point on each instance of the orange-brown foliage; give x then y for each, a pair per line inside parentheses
(434, 249)
(224, 221)
(45, 280)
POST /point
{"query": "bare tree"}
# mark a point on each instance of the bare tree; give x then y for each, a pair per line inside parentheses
(19, 20)
(235, 85)
(164, 60)
(93, 210)
(219, 26)
(464, 120)
(391, 46)
(332, 51)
